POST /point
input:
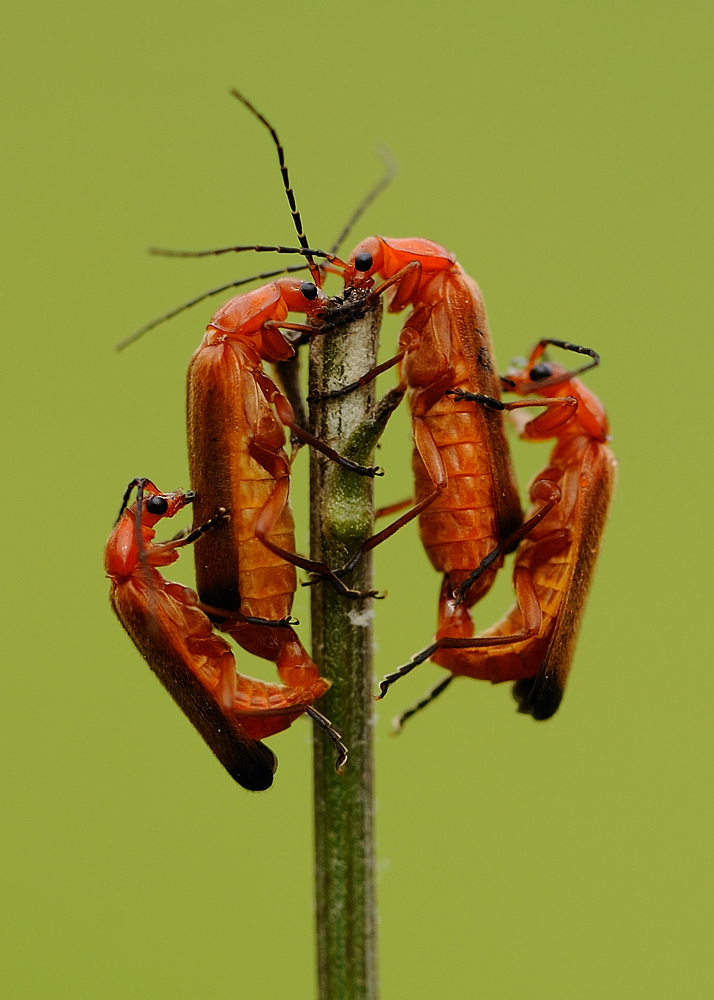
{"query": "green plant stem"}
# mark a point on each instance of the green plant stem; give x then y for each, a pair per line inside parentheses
(342, 516)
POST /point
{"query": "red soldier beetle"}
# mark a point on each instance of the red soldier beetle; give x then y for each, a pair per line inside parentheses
(232, 712)
(236, 440)
(236, 416)
(465, 491)
(556, 556)
(234, 437)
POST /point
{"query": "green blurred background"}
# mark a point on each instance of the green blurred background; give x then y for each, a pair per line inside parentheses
(561, 150)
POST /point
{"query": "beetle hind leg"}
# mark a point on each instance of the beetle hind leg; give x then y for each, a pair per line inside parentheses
(434, 692)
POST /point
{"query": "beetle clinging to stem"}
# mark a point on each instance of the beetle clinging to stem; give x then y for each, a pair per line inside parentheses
(235, 413)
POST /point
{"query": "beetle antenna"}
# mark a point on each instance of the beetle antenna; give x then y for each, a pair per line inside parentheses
(201, 298)
(257, 247)
(314, 270)
(434, 692)
(125, 499)
(145, 569)
(391, 169)
(140, 484)
(565, 345)
(577, 349)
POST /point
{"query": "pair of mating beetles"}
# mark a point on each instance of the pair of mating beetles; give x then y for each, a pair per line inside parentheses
(466, 500)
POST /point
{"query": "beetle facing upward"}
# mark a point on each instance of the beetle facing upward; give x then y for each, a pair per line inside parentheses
(555, 560)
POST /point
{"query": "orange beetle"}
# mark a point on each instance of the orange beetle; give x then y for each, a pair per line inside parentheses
(534, 642)
(232, 712)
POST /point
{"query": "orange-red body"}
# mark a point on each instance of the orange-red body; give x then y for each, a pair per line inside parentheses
(557, 556)
(464, 481)
(236, 438)
(232, 712)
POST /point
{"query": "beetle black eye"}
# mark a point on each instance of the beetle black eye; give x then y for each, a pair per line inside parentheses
(309, 290)
(540, 371)
(363, 261)
(156, 505)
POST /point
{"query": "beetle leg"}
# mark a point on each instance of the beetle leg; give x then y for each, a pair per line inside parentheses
(288, 373)
(431, 456)
(532, 619)
(345, 463)
(393, 508)
(543, 489)
(332, 733)
(433, 692)
(559, 410)
(386, 682)
(222, 615)
(162, 553)
(269, 515)
(287, 418)
(321, 397)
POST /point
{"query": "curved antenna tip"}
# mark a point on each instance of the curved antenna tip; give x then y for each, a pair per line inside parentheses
(388, 157)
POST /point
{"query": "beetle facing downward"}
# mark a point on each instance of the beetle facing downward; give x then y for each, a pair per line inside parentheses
(232, 712)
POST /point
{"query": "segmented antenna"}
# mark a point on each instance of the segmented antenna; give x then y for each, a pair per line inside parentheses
(314, 270)
(257, 247)
(539, 352)
(141, 548)
(576, 349)
(125, 499)
(390, 170)
(201, 298)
